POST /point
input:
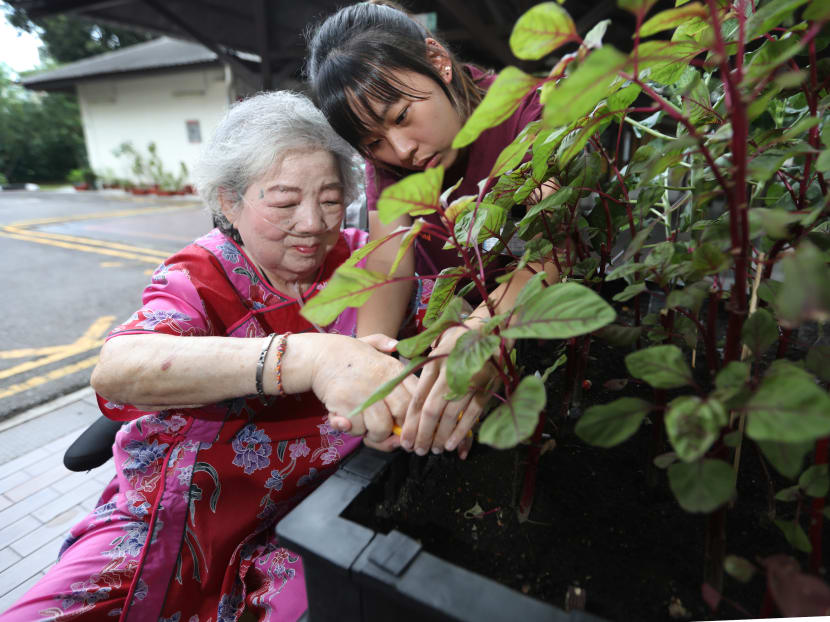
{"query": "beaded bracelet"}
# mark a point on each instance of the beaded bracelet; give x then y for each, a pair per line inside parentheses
(278, 372)
(260, 367)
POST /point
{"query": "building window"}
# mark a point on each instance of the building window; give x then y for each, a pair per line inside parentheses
(194, 132)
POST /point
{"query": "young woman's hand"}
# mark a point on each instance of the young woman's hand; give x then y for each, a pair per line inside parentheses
(348, 373)
(434, 423)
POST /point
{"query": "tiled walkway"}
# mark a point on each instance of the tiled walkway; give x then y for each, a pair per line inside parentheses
(40, 500)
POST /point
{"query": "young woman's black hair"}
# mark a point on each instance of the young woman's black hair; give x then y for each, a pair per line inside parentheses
(351, 59)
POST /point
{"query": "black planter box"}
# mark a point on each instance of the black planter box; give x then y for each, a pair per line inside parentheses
(354, 574)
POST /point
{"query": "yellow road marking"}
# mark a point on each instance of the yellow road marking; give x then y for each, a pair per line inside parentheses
(155, 260)
(111, 264)
(86, 241)
(55, 374)
(95, 215)
(89, 340)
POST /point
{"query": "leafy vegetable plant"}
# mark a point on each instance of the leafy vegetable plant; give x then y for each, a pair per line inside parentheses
(690, 170)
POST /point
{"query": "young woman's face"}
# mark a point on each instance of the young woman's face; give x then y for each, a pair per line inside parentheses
(415, 134)
(289, 219)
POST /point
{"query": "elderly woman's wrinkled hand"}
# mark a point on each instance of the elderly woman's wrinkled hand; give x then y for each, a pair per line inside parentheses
(348, 373)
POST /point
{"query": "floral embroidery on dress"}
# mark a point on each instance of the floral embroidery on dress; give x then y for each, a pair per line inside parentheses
(142, 455)
(137, 504)
(160, 274)
(252, 447)
(312, 475)
(229, 606)
(229, 252)
(130, 544)
(298, 449)
(275, 482)
(154, 317)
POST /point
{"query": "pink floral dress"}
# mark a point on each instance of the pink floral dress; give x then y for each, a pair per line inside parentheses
(208, 483)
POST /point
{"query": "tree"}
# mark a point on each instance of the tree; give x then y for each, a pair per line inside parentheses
(41, 138)
(68, 38)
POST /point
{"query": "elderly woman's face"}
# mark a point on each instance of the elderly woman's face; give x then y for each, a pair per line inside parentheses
(290, 218)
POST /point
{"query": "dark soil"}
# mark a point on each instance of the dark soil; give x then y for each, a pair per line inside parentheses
(595, 524)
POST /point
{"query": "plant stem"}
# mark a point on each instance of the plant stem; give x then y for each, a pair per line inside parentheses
(529, 484)
(816, 511)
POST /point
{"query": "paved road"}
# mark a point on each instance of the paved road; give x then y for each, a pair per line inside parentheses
(72, 265)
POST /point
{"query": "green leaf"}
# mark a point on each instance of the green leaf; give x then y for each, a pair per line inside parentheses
(638, 7)
(544, 145)
(787, 458)
(515, 420)
(534, 287)
(691, 297)
(442, 293)
(702, 486)
(693, 425)
(769, 289)
(671, 18)
(348, 287)
(366, 250)
(770, 56)
(663, 367)
(795, 535)
(629, 292)
(666, 60)
(759, 105)
(731, 380)
(769, 15)
(578, 93)
(472, 350)
(512, 155)
(387, 387)
(618, 335)
(611, 424)
(626, 269)
(501, 101)
(406, 243)
(560, 311)
(818, 361)
(817, 11)
(759, 332)
(637, 241)
(788, 495)
(805, 293)
(556, 365)
(477, 223)
(623, 98)
(575, 141)
(541, 30)
(416, 195)
(709, 259)
(420, 342)
(788, 407)
(815, 481)
(776, 222)
(740, 568)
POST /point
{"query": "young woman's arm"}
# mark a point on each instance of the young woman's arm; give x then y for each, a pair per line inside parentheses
(385, 311)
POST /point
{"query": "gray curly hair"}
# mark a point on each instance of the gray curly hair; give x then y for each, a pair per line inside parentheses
(256, 134)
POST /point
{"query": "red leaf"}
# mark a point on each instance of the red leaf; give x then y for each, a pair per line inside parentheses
(797, 594)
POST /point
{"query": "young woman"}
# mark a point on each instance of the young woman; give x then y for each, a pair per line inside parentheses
(396, 93)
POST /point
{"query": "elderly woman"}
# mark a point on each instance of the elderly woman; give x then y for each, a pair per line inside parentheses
(227, 389)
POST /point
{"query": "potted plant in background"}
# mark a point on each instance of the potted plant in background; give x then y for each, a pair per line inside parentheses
(692, 232)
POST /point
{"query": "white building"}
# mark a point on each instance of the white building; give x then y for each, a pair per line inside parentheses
(168, 92)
